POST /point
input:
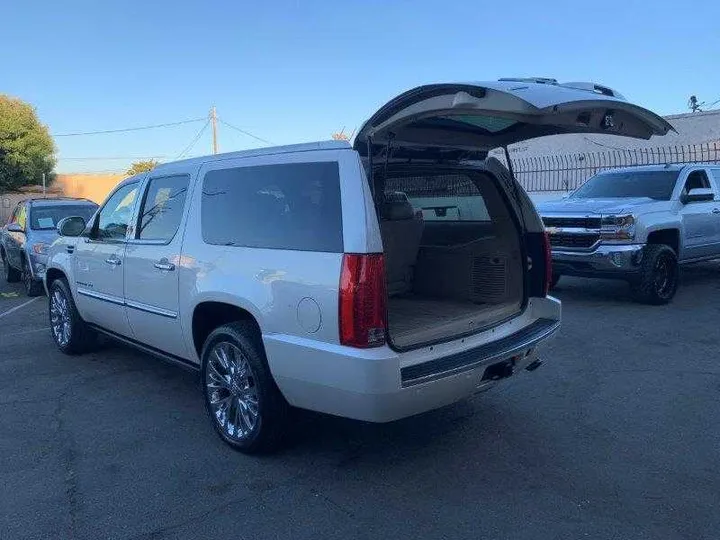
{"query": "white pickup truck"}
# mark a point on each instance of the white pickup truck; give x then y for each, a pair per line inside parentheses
(638, 224)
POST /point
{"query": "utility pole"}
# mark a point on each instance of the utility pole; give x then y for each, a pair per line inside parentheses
(213, 119)
(43, 184)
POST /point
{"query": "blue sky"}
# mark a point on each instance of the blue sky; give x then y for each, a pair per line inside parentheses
(294, 71)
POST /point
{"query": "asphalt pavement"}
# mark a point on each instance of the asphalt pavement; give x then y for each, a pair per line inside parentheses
(616, 437)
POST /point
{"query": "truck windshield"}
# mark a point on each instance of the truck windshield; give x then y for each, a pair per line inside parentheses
(653, 184)
(46, 217)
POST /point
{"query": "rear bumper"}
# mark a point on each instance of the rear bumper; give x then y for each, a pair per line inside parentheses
(607, 260)
(381, 385)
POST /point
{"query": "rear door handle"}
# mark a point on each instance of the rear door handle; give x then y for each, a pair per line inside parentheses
(114, 261)
(716, 210)
(165, 265)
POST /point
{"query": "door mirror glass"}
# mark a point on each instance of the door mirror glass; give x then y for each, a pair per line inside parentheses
(698, 195)
(15, 227)
(71, 226)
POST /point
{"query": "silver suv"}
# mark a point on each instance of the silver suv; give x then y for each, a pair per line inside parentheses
(372, 282)
(28, 233)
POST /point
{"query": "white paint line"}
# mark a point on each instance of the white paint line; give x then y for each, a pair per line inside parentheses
(29, 332)
(13, 310)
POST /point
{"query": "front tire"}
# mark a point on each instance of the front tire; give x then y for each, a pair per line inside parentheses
(32, 286)
(72, 335)
(659, 275)
(11, 275)
(241, 397)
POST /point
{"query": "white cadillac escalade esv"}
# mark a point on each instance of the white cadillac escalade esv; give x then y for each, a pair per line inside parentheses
(372, 282)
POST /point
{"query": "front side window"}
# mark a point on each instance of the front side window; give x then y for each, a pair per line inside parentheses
(163, 207)
(43, 218)
(290, 206)
(114, 218)
(657, 185)
(14, 215)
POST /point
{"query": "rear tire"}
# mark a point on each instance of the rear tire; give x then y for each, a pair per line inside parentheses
(659, 275)
(72, 335)
(244, 403)
(11, 275)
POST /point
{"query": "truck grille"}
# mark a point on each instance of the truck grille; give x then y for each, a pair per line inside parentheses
(573, 222)
(575, 241)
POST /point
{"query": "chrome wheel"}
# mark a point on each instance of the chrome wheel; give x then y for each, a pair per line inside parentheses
(231, 391)
(60, 320)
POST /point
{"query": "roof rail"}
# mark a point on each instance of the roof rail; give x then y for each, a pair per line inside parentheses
(596, 88)
(539, 80)
(62, 198)
(591, 87)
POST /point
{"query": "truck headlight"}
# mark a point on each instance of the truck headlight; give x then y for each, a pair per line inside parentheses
(40, 248)
(620, 227)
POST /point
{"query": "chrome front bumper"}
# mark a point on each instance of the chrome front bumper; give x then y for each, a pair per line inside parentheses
(606, 259)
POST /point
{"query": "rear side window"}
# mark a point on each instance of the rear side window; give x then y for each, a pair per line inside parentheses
(290, 206)
(447, 197)
(716, 175)
(163, 208)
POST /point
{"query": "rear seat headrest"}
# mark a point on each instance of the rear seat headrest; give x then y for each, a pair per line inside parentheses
(396, 207)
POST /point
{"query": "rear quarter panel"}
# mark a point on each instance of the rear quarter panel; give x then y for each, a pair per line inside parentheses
(288, 292)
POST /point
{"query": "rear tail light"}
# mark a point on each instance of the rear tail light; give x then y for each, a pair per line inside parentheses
(363, 299)
(548, 263)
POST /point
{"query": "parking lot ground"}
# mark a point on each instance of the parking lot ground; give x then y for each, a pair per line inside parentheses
(616, 436)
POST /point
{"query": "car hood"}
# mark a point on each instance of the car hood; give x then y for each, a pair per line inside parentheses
(606, 207)
(469, 119)
(45, 236)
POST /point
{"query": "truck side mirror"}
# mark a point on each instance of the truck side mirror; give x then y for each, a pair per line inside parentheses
(698, 195)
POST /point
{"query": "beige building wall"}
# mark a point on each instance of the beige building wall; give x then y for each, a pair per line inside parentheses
(86, 186)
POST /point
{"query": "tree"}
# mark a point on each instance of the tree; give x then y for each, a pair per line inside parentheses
(143, 165)
(26, 149)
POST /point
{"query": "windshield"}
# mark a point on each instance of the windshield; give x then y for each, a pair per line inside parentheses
(653, 184)
(47, 217)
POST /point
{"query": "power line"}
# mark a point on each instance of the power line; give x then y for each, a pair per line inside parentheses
(103, 132)
(194, 141)
(245, 132)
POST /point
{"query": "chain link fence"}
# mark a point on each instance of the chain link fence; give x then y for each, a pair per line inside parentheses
(566, 172)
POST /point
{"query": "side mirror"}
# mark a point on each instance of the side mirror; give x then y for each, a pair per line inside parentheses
(71, 226)
(698, 195)
(15, 227)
